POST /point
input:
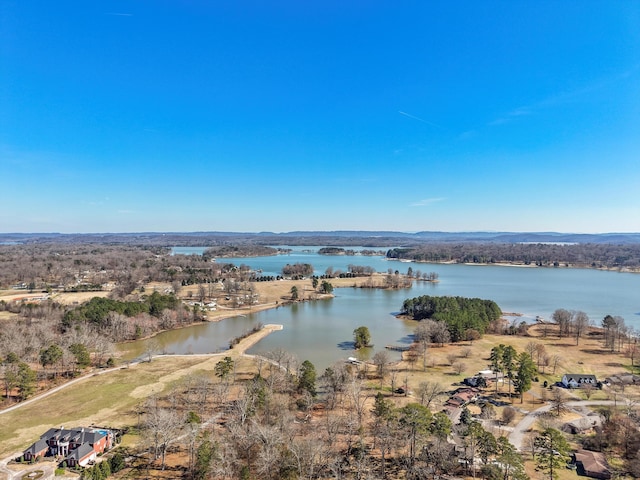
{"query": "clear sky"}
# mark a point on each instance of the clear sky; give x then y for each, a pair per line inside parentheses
(205, 115)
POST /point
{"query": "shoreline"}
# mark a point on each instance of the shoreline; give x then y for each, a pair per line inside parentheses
(508, 264)
(238, 351)
(281, 287)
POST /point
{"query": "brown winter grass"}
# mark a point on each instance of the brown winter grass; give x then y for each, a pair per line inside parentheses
(7, 316)
(105, 400)
(588, 356)
(65, 298)
(72, 298)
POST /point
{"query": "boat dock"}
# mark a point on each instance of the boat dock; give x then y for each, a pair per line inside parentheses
(398, 348)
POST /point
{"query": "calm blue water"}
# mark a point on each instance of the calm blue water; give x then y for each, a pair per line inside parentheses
(272, 265)
(321, 331)
(527, 290)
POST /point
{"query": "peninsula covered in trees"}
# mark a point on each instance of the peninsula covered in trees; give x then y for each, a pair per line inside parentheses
(348, 251)
(588, 255)
(461, 315)
(231, 251)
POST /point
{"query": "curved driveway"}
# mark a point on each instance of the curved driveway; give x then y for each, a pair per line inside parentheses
(516, 437)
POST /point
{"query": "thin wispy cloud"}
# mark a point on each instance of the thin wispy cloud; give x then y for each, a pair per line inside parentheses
(467, 135)
(97, 202)
(427, 201)
(560, 98)
(413, 117)
(115, 14)
(518, 112)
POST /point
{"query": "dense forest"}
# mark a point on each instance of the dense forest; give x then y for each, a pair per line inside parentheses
(541, 254)
(99, 311)
(460, 314)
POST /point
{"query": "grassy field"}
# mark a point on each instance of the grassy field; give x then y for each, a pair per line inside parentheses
(105, 400)
(7, 315)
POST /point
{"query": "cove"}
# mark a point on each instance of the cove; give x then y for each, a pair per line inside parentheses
(321, 331)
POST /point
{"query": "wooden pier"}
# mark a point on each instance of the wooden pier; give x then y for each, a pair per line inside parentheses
(399, 348)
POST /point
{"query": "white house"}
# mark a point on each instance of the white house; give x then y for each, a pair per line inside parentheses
(577, 380)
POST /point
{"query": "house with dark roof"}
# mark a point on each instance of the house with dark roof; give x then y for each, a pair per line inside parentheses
(583, 424)
(38, 449)
(577, 380)
(81, 456)
(76, 446)
(461, 397)
(592, 464)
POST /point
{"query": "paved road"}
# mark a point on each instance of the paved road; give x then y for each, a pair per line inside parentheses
(47, 467)
(60, 387)
(239, 349)
(516, 437)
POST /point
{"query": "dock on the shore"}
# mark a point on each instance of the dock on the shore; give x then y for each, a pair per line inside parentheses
(398, 348)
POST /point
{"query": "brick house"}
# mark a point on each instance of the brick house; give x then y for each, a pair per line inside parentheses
(76, 446)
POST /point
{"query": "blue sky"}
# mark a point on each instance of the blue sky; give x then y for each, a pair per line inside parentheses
(194, 115)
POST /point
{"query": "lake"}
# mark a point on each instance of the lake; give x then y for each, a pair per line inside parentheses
(321, 331)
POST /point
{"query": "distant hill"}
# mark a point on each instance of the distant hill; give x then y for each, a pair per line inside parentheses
(336, 237)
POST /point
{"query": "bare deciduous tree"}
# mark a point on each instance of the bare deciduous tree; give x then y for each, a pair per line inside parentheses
(556, 360)
(162, 427)
(428, 391)
(580, 323)
(451, 358)
(381, 361)
(558, 401)
(508, 415)
(459, 367)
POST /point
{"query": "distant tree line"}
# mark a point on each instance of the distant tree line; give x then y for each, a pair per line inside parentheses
(119, 269)
(230, 251)
(460, 314)
(348, 251)
(541, 254)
